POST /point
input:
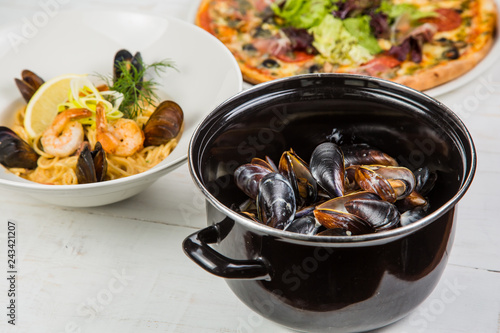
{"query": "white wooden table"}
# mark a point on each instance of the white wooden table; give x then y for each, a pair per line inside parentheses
(120, 268)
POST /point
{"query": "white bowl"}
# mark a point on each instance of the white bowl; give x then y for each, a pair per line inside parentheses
(207, 75)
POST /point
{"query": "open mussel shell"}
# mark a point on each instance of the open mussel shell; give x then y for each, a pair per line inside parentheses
(133, 63)
(327, 167)
(371, 181)
(425, 179)
(333, 214)
(91, 166)
(29, 84)
(298, 174)
(15, 152)
(276, 204)
(381, 215)
(267, 163)
(397, 173)
(413, 200)
(333, 219)
(164, 124)
(339, 202)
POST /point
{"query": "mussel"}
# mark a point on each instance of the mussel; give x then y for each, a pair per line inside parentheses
(425, 180)
(267, 162)
(390, 183)
(397, 173)
(276, 201)
(164, 124)
(302, 225)
(298, 174)
(413, 215)
(29, 84)
(380, 214)
(248, 176)
(125, 60)
(337, 194)
(92, 165)
(327, 167)
(15, 152)
(412, 201)
(371, 181)
(333, 214)
(363, 154)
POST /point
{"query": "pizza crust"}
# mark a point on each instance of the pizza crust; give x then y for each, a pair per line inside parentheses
(433, 77)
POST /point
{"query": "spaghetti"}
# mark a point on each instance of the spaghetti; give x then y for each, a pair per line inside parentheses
(61, 170)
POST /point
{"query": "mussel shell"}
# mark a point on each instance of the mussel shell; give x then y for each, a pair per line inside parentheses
(32, 79)
(414, 215)
(327, 167)
(276, 204)
(164, 124)
(15, 152)
(397, 173)
(411, 201)
(248, 176)
(363, 154)
(132, 61)
(339, 202)
(29, 84)
(298, 174)
(371, 181)
(100, 162)
(303, 225)
(333, 219)
(267, 163)
(426, 180)
(350, 184)
(380, 214)
(91, 166)
(304, 211)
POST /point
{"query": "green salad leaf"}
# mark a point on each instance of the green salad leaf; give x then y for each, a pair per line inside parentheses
(359, 28)
(303, 14)
(335, 43)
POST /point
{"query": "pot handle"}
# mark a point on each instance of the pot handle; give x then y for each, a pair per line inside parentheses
(196, 247)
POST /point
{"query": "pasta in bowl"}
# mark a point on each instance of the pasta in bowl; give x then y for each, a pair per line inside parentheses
(96, 133)
(132, 165)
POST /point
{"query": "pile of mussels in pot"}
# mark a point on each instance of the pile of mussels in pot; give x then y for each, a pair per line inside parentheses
(344, 190)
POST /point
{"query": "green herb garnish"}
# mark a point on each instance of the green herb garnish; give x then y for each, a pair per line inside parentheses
(135, 87)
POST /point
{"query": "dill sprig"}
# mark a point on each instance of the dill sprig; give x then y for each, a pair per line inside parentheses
(137, 90)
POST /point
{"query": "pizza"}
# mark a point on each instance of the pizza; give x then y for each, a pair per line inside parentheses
(418, 43)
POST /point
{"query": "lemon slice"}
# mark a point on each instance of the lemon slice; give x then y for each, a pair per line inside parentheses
(42, 107)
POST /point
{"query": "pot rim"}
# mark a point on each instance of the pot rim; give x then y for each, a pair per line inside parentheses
(355, 240)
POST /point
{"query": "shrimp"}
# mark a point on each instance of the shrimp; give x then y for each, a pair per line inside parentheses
(65, 134)
(122, 138)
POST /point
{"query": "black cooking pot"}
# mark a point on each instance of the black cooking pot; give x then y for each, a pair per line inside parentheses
(335, 283)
